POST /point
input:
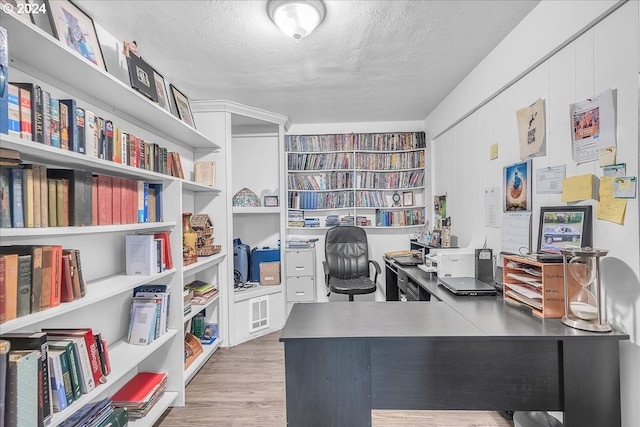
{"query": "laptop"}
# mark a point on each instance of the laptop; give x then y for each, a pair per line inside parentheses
(466, 286)
(407, 261)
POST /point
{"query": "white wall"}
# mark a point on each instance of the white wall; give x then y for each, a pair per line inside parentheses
(380, 240)
(562, 52)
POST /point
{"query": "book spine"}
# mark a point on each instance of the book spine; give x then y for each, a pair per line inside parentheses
(37, 208)
(37, 113)
(56, 275)
(66, 376)
(72, 128)
(88, 194)
(27, 196)
(47, 269)
(17, 208)
(64, 126)
(44, 197)
(90, 134)
(26, 126)
(53, 202)
(24, 285)
(14, 110)
(46, 117)
(36, 278)
(5, 197)
(54, 122)
(58, 394)
(108, 136)
(3, 289)
(10, 279)
(80, 130)
(4, 362)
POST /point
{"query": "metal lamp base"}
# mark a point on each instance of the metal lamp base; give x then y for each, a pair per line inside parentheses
(586, 325)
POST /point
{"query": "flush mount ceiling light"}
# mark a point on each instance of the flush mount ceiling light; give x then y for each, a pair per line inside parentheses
(296, 18)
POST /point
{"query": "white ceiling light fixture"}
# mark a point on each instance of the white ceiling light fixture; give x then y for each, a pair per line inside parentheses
(296, 18)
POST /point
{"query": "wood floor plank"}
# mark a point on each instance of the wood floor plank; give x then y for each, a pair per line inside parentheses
(244, 386)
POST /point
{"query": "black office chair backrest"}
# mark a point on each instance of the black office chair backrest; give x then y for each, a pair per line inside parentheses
(346, 252)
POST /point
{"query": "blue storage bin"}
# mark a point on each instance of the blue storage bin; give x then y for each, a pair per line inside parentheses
(259, 255)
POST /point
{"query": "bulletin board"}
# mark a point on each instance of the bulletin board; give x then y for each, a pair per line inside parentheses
(515, 232)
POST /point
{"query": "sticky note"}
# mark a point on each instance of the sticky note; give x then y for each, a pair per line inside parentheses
(579, 187)
(494, 151)
(607, 156)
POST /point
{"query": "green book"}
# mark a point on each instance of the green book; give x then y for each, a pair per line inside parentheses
(118, 418)
(72, 367)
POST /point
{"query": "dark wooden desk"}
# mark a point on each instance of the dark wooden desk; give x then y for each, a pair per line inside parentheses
(344, 359)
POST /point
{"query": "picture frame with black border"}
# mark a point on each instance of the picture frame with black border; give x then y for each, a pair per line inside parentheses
(271, 201)
(75, 31)
(407, 198)
(182, 107)
(564, 226)
(161, 91)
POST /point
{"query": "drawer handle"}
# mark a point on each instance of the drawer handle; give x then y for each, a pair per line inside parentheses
(298, 293)
(300, 267)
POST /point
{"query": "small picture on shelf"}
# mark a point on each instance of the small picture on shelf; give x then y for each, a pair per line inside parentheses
(271, 201)
(75, 30)
(161, 91)
(20, 9)
(407, 198)
(183, 108)
(435, 239)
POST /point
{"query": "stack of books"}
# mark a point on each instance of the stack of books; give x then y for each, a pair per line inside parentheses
(149, 313)
(101, 413)
(141, 393)
(296, 218)
(202, 291)
(332, 221)
(347, 220)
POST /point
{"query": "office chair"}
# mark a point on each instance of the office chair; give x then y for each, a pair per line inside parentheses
(346, 265)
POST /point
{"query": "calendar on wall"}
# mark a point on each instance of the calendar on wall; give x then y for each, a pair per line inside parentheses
(515, 233)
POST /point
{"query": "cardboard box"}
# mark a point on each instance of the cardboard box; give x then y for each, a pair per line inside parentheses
(270, 273)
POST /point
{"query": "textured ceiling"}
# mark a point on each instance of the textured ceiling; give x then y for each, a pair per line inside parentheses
(368, 60)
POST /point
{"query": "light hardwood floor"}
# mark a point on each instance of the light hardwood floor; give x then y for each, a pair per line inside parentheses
(244, 386)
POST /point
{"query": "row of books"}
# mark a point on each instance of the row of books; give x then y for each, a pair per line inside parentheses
(314, 200)
(319, 161)
(399, 218)
(140, 394)
(147, 253)
(36, 116)
(402, 160)
(390, 180)
(335, 221)
(357, 141)
(34, 278)
(48, 371)
(201, 292)
(36, 196)
(320, 181)
(149, 313)
(98, 414)
(375, 199)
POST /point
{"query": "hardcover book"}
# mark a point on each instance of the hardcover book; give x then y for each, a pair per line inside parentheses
(4, 362)
(35, 255)
(13, 101)
(58, 394)
(90, 134)
(27, 196)
(8, 287)
(54, 122)
(64, 126)
(5, 198)
(70, 123)
(46, 117)
(24, 285)
(17, 206)
(26, 127)
(34, 111)
(22, 389)
(75, 390)
(4, 79)
(76, 193)
(80, 130)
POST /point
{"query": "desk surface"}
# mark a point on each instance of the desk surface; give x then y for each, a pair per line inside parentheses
(453, 317)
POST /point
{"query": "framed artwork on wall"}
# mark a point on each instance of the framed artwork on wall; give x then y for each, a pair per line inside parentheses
(75, 30)
(517, 187)
(271, 201)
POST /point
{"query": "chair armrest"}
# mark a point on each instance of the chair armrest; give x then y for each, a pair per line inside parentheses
(378, 270)
(325, 267)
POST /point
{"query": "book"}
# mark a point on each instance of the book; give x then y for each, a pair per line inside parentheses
(27, 196)
(70, 124)
(90, 134)
(105, 198)
(66, 373)
(140, 254)
(63, 123)
(36, 341)
(66, 283)
(79, 285)
(164, 236)
(162, 292)
(205, 173)
(5, 346)
(13, 101)
(94, 200)
(91, 346)
(76, 193)
(17, 207)
(52, 202)
(5, 198)
(35, 254)
(117, 144)
(116, 199)
(75, 381)
(101, 344)
(46, 117)
(47, 273)
(58, 393)
(37, 209)
(4, 71)
(142, 324)
(26, 127)
(24, 285)
(8, 287)
(139, 388)
(157, 208)
(80, 130)
(62, 202)
(56, 275)
(54, 122)
(44, 196)
(177, 165)
(108, 140)
(22, 389)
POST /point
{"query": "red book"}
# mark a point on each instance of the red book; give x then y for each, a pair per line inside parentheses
(2, 290)
(139, 388)
(105, 198)
(123, 200)
(92, 348)
(26, 129)
(116, 188)
(164, 235)
(56, 275)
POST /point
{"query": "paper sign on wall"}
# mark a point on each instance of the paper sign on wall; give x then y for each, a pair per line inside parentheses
(531, 130)
(580, 187)
(609, 208)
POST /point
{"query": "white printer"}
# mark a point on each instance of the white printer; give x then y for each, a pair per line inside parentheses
(453, 262)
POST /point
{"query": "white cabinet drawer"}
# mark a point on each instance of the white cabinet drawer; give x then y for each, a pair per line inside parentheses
(300, 263)
(300, 289)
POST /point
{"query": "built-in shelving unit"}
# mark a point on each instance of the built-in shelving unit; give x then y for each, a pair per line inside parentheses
(376, 178)
(37, 57)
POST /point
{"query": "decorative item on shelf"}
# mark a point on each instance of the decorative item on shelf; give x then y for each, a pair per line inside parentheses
(202, 225)
(582, 309)
(407, 198)
(140, 73)
(189, 241)
(271, 201)
(192, 349)
(396, 200)
(181, 104)
(435, 239)
(205, 173)
(246, 198)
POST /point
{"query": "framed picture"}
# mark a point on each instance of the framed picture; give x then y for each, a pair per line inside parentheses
(271, 201)
(161, 91)
(434, 242)
(75, 30)
(564, 226)
(517, 187)
(182, 106)
(407, 198)
(113, 53)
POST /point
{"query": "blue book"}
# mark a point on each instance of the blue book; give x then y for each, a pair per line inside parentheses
(17, 206)
(157, 188)
(54, 122)
(4, 82)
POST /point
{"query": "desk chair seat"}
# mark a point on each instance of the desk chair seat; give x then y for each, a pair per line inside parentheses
(346, 265)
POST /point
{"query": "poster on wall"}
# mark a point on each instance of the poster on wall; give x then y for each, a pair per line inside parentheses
(531, 130)
(594, 127)
(517, 187)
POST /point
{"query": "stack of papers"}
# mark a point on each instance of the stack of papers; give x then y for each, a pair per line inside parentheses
(140, 394)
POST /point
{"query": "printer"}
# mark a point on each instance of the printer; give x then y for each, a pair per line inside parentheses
(453, 262)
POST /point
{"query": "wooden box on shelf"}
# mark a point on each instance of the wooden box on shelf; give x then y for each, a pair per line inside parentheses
(192, 349)
(537, 285)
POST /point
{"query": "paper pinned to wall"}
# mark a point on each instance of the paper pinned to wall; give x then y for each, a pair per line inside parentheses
(515, 232)
(492, 207)
(579, 187)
